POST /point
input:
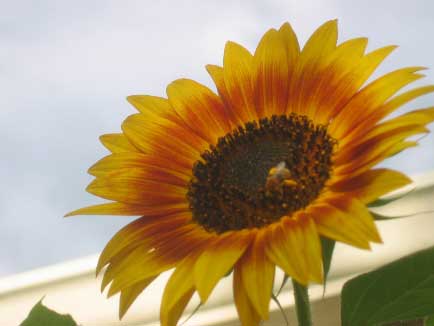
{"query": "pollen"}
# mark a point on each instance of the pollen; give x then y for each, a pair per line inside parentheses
(260, 172)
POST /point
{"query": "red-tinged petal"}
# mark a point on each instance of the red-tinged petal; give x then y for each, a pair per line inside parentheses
(370, 98)
(128, 160)
(310, 64)
(141, 232)
(199, 108)
(387, 108)
(164, 138)
(167, 251)
(271, 75)
(133, 186)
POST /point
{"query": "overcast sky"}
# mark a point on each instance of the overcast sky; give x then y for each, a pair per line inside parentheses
(67, 66)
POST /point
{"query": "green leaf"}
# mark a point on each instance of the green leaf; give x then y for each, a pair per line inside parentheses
(42, 316)
(429, 321)
(328, 247)
(401, 290)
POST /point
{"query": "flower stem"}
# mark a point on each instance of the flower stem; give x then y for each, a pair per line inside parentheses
(302, 304)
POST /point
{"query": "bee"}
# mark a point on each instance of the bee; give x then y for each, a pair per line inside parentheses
(278, 177)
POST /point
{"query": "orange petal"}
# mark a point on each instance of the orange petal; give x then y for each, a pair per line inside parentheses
(271, 71)
(140, 232)
(217, 259)
(310, 64)
(199, 108)
(117, 143)
(217, 74)
(337, 81)
(128, 160)
(414, 118)
(164, 138)
(387, 108)
(168, 250)
(362, 157)
(371, 97)
(371, 184)
(115, 163)
(352, 81)
(246, 312)
(257, 274)
(133, 186)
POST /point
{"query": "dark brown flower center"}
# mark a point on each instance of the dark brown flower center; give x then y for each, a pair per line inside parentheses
(260, 172)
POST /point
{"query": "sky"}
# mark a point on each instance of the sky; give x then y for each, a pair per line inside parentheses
(67, 66)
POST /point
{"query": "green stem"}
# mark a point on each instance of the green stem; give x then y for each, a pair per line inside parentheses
(302, 304)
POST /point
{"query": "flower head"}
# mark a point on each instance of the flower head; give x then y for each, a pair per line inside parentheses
(249, 179)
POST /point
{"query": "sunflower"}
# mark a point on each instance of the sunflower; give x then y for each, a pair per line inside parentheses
(249, 179)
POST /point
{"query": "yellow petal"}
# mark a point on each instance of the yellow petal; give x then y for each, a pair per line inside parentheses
(360, 158)
(337, 81)
(180, 285)
(419, 117)
(124, 161)
(238, 78)
(151, 137)
(177, 310)
(199, 108)
(123, 209)
(310, 63)
(132, 186)
(217, 259)
(371, 97)
(311, 248)
(271, 73)
(167, 251)
(117, 143)
(387, 108)
(342, 225)
(246, 313)
(128, 160)
(284, 243)
(130, 294)
(139, 233)
(291, 43)
(371, 184)
(235, 116)
(257, 274)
